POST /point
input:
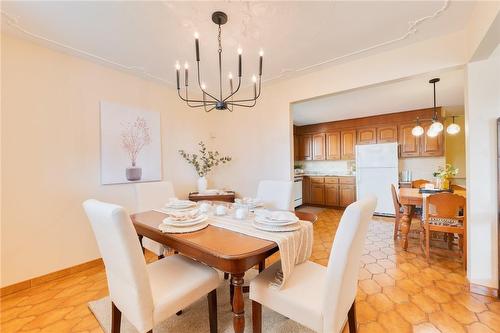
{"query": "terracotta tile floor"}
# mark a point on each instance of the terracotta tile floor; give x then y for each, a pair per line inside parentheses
(398, 291)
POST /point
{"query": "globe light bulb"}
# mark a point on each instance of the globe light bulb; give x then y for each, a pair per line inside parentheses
(432, 133)
(453, 129)
(417, 130)
(436, 127)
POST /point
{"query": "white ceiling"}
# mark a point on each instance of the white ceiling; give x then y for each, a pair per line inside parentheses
(148, 37)
(410, 94)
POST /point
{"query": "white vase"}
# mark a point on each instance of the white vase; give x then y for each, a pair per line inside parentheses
(202, 185)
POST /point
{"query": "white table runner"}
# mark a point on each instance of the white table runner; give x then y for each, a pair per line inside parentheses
(295, 246)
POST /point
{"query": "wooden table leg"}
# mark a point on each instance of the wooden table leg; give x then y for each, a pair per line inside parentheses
(238, 303)
(405, 224)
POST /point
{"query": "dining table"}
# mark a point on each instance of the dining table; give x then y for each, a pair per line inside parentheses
(409, 198)
(229, 251)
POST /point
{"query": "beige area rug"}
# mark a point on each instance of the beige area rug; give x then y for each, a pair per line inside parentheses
(195, 317)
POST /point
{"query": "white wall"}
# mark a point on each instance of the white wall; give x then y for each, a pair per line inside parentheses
(50, 153)
(481, 110)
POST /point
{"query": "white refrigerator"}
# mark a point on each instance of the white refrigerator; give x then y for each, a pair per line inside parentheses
(376, 170)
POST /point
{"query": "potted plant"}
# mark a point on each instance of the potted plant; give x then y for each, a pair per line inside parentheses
(135, 137)
(443, 176)
(203, 163)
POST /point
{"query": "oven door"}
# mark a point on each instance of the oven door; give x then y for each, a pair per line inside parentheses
(297, 192)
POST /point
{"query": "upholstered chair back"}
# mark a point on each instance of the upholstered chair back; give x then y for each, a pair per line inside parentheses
(344, 263)
(153, 195)
(128, 281)
(276, 194)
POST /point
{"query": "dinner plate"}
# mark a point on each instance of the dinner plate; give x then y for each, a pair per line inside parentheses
(263, 220)
(275, 216)
(271, 228)
(181, 204)
(199, 219)
(176, 230)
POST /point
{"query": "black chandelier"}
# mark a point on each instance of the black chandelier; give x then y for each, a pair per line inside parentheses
(209, 101)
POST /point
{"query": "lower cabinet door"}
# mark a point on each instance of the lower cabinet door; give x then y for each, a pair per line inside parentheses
(331, 194)
(317, 194)
(347, 195)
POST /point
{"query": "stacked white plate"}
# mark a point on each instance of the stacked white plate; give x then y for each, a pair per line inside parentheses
(251, 203)
(182, 216)
(277, 221)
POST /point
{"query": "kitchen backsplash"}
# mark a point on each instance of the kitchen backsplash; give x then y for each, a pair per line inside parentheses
(326, 166)
(421, 167)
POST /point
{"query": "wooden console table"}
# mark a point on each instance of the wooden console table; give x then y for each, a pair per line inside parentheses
(227, 196)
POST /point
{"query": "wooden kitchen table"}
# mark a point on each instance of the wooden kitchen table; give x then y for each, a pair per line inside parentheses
(223, 249)
(409, 198)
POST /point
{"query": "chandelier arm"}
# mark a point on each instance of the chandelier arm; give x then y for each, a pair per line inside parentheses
(237, 103)
(199, 82)
(254, 98)
(232, 93)
(205, 104)
(196, 101)
(192, 100)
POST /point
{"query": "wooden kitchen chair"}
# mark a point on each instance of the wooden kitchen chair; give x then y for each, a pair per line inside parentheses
(418, 183)
(397, 210)
(445, 212)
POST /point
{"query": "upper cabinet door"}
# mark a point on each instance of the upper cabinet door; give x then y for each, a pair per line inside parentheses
(431, 146)
(387, 134)
(333, 146)
(296, 148)
(319, 147)
(367, 136)
(410, 145)
(348, 143)
(305, 147)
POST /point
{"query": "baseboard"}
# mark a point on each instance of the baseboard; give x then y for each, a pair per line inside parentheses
(482, 290)
(13, 288)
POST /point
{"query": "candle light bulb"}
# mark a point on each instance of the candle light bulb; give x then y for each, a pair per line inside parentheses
(230, 76)
(203, 86)
(240, 51)
(254, 78)
(177, 65)
(261, 53)
(196, 35)
(186, 65)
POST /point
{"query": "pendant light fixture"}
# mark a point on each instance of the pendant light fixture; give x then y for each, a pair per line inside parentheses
(218, 100)
(436, 125)
(417, 130)
(453, 128)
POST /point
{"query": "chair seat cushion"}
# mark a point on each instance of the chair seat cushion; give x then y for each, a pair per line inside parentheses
(301, 299)
(176, 282)
(445, 222)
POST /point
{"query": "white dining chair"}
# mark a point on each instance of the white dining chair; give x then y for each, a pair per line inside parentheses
(146, 294)
(150, 196)
(276, 194)
(320, 298)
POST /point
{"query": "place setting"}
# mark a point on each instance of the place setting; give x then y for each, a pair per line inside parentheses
(275, 221)
(182, 216)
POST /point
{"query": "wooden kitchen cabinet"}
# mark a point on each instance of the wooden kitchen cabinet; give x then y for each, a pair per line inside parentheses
(317, 193)
(347, 195)
(348, 143)
(318, 143)
(305, 147)
(387, 134)
(331, 194)
(296, 148)
(333, 146)
(367, 136)
(306, 190)
(431, 146)
(409, 144)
